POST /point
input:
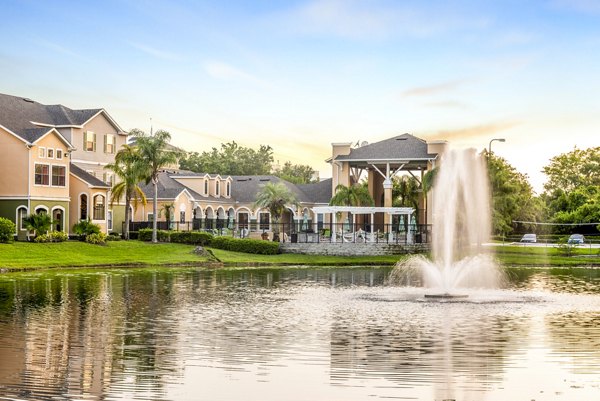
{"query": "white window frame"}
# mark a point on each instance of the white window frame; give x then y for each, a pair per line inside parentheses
(260, 224)
(50, 153)
(49, 174)
(59, 152)
(228, 189)
(52, 175)
(217, 188)
(94, 196)
(109, 219)
(206, 187)
(114, 143)
(42, 153)
(85, 141)
(19, 219)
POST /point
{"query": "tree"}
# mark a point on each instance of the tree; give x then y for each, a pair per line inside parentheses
(512, 196)
(230, 159)
(39, 223)
(168, 208)
(275, 198)
(572, 170)
(405, 191)
(129, 167)
(155, 155)
(295, 173)
(354, 195)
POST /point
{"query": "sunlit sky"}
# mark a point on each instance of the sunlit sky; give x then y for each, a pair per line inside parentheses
(299, 75)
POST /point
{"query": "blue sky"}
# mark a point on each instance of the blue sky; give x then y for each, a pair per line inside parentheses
(299, 75)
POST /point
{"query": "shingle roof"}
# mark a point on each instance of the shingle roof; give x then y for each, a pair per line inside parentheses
(167, 187)
(87, 177)
(404, 146)
(319, 192)
(17, 114)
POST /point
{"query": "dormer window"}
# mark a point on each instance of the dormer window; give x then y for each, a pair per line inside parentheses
(205, 187)
(217, 188)
(228, 189)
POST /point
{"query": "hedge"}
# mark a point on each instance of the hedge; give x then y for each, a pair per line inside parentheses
(7, 230)
(245, 245)
(182, 237)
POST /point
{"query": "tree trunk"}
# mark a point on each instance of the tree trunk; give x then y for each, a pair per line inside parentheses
(127, 217)
(154, 214)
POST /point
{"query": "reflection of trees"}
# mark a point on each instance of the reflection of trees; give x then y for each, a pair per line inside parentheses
(578, 281)
(575, 336)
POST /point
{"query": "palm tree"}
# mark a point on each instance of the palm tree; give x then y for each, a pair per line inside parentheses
(353, 195)
(39, 223)
(129, 167)
(156, 154)
(405, 191)
(275, 197)
(169, 209)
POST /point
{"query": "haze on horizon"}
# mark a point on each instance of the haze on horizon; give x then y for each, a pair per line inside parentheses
(298, 75)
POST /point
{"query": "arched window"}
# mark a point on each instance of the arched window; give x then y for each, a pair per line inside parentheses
(205, 187)
(21, 214)
(217, 188)
(83, 207)
(228, 189)
(99, 207)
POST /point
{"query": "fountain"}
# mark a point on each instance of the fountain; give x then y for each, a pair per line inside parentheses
(461, 225)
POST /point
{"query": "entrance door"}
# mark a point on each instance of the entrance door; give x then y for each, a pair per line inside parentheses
(58, 216)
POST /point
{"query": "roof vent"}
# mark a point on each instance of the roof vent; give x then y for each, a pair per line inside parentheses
(364, 143)
(241, 179)
(264, 179)
(401, 138)
(28, 100)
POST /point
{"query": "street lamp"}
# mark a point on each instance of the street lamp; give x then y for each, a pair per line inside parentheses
(495, 139)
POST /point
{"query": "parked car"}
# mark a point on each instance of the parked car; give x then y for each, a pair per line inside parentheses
(532, 238)
(576, 239)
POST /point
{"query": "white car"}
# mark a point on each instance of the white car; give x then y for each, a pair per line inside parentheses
(532, 238)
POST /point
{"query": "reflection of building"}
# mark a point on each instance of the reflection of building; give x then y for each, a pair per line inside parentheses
(55, 158)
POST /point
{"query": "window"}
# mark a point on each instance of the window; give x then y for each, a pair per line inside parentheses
(264, 221)
(58, 176)
(42, 153)
(42, 174)
(109, 217)
(59, 154)
(83, 207)
(89, 141)
(205, 187)
(182, 217)
(21, 214)
(150, 217)
(217, 185)
(228, 189)
(109, 178)
(50, 153)
(99, 207)
(109, 143)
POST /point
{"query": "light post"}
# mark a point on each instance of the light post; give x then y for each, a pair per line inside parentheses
(495, 139)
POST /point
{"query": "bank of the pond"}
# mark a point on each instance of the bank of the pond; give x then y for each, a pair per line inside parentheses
(26, 256)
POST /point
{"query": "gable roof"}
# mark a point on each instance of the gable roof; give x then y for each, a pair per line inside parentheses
(244, 188)
(24, 117)
(168, 188)
(86, 177)
(319, 192)
(401, 147)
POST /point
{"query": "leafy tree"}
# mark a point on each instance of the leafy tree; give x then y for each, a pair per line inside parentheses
(155, 154)
(512, 197)
(130, 169)
(230, 159)
(354, 195)
(85, 228)
(405, 191)
(275, 198)
(572, 192)
(572, 170)
(295, 173)
(39, 223)
(168, 209)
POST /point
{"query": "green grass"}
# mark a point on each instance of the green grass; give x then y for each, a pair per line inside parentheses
(228, 257)
(24, 255)
(547, 256)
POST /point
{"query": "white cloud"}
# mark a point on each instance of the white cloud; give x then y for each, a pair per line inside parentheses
(227, 72)
(375, 19)
(160, 54)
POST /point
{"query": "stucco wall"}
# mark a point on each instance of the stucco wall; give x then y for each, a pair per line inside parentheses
(14, 162)
(50, 141)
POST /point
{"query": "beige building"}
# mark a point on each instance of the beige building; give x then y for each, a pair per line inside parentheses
(55, 158)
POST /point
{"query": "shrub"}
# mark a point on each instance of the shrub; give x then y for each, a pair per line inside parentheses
(113, 237)
(85, 228)
(53, 236)
(42, 238)
(145, 234)
(191, 237)
(245, 245)
(96, 239)
(7, 230)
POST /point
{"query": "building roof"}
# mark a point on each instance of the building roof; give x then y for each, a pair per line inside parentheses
(319, 192)
(168, 188)
(402, 147)
(87, 177)
(18, 115)
(245, 188)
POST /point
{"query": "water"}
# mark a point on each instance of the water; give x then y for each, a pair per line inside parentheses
(462, 221)
(295, 334)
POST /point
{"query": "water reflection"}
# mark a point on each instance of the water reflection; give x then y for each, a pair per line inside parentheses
(287, 334)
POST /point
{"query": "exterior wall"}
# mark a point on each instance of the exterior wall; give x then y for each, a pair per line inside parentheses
(14, 160)
(50, 141)
(196, 184)
(50, 206)
(95, 160)
(78, 187)
(8, 210)
(118, 217)
(340, 173)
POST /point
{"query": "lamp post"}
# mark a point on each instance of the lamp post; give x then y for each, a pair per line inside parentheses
(495, 139)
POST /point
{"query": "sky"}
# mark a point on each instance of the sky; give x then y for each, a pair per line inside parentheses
(300, 75)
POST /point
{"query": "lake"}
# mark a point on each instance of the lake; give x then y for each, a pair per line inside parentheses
(294, 334)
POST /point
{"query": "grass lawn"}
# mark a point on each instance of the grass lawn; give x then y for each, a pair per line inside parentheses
(547, 256)
(24, 255)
